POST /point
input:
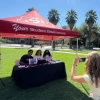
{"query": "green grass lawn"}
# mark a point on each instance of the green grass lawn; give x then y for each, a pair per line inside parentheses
(62, 89)
(79, 51)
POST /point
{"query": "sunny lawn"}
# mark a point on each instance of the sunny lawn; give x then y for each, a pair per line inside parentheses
(79, 51)
(63, 89)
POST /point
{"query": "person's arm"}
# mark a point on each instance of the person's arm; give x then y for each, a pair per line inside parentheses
(75, 77)
(22, 60)
(22, 63)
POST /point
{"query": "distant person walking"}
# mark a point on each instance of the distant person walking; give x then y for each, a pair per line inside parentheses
(22, 43)
(41, 45)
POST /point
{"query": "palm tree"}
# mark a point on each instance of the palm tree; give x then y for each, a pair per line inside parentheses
(53, 17)
(91, 18)
(71, 18)
(30, 9)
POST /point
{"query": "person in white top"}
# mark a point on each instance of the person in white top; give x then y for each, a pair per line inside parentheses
(92, 76)
(38, 55)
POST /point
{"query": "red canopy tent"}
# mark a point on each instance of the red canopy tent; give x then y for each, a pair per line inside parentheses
(38, 37)
(33, 24)
(9, 35)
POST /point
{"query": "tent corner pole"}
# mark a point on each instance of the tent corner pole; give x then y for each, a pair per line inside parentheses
(77, 47)
(0, 60)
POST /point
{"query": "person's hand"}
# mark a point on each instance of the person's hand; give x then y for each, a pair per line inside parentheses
(76, 60)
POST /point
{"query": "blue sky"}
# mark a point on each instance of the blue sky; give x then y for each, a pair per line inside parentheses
(9, 8)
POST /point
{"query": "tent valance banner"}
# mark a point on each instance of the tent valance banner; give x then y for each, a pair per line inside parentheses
(37, 37)
(32, 24)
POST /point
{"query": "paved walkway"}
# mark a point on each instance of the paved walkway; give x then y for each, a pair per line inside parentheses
(36, 47)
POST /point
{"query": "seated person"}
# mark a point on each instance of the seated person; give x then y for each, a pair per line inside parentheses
(25, 58)
(38, 55)
(47, 56)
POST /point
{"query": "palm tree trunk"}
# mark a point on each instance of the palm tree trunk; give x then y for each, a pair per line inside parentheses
(89, 39)
(53, 45)
(63, 41)
(32, 43)
(70, 44)
(70, 41)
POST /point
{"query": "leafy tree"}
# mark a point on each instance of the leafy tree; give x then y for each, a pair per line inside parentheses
(84, 32)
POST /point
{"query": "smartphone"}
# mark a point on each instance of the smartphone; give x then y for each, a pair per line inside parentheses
(82, 59)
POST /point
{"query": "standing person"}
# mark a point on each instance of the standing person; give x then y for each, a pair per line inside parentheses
(25, 58)
(92, 76)
(41, 45)
(47, 55)
(38, 55)
(22, 43)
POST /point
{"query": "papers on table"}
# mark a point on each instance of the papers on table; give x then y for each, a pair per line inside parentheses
(32, 61)
(53, 62)
(26, 66)
(23, 66)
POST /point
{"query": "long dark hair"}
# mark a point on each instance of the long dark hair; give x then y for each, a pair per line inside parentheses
(38, 51)
(93, 67)
(46, 52)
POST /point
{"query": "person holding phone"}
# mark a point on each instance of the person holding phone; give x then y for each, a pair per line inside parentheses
(82, 59)
(92, 76)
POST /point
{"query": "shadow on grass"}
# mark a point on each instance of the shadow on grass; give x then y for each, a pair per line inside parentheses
(56, 90)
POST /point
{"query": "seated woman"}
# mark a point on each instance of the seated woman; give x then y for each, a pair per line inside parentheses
(92, 76)
(47, 56)
(38, 55)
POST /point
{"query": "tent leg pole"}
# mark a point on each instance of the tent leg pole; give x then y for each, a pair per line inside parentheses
(0, 61)
(77, 47)
(81, 83)
(52, 46)
(2, 82)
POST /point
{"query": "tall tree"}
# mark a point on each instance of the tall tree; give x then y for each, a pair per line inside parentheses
(71, 19)
(84, 32)
(91, 18)
(53, 17)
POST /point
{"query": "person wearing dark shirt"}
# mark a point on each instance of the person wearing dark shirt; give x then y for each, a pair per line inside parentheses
(25, 58)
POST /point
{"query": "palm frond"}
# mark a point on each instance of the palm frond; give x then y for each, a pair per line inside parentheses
(91, 17)
(71, 17)
(53, 16)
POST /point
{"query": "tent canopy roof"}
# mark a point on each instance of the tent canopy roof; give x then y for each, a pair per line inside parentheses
(32, 18)
(32, 23)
